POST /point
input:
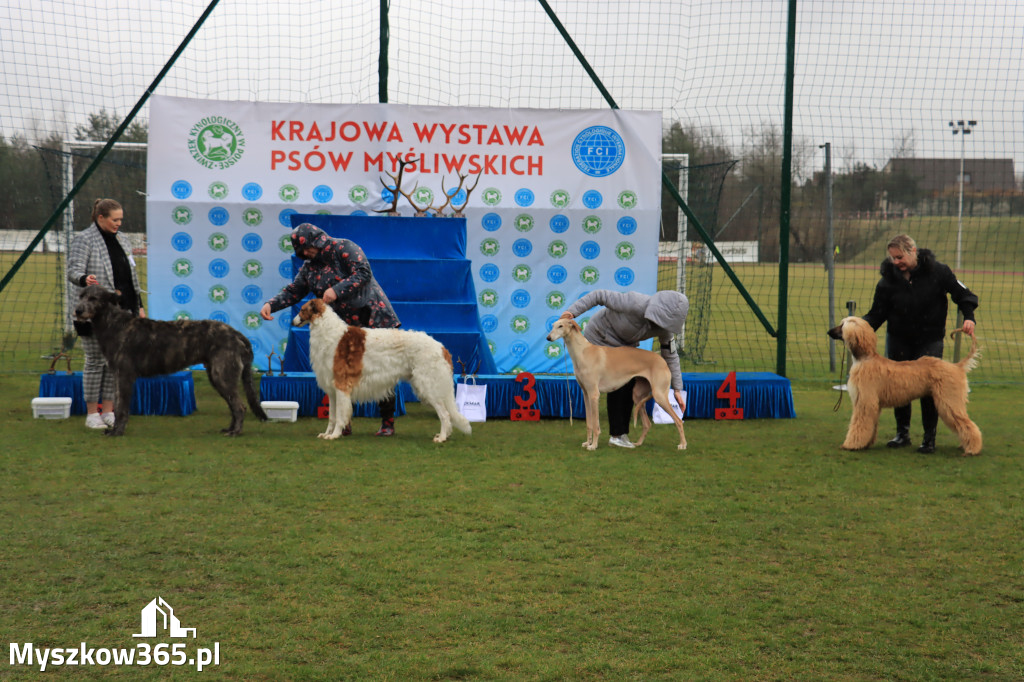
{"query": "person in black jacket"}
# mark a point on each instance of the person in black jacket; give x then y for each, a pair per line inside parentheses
(911, 297)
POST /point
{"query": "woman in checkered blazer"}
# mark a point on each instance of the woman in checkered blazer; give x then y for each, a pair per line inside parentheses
(101, 255)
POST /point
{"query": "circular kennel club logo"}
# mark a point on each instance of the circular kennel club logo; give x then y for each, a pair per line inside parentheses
(216, 142)
(598, 151)
(218, 241)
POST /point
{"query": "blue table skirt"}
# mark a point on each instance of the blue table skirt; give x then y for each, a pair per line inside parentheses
(762, 395)
(168, 394)
(301, 387)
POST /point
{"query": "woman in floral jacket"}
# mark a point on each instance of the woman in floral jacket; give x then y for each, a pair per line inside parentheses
(338, 271)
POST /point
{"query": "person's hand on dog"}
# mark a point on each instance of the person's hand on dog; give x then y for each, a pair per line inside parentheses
(90, 280)
(566, 316)
(330, 296)
(265, 312)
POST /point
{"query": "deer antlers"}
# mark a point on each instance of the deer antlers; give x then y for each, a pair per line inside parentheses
(393, 209)
(423, 210)
(458, 211)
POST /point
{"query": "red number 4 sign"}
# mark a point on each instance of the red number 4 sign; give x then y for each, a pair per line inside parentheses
(727, 391)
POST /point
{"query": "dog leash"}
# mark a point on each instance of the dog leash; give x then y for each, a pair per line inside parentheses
(842, 364)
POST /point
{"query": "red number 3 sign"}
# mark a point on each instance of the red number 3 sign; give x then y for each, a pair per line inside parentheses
(526, 413)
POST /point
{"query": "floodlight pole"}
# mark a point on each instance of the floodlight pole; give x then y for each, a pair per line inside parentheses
(962, 128)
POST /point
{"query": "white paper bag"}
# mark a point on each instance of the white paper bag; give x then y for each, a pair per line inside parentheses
(471, 399)
(661, 416)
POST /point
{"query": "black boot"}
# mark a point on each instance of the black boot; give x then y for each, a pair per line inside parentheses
(901, 440)
(927, 443)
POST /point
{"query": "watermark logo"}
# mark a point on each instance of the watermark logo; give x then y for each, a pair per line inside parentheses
(157, 620)
(216, 142)
(150, 621)
(598, 151)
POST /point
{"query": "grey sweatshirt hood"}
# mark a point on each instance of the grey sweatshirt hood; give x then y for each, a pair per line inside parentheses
(667, 309)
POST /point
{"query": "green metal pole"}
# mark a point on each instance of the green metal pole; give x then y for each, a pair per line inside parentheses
(106, 148)
(382, 58)
(785, 195)
(666, 181)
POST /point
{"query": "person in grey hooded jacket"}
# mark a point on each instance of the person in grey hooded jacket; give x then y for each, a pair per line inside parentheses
(627, 319)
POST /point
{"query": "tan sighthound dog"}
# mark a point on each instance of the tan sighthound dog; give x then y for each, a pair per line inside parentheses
(601, 369)
(876, 382)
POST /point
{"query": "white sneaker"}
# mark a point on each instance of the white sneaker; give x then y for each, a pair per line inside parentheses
(108, 419)
(95, 421)
(621, 441)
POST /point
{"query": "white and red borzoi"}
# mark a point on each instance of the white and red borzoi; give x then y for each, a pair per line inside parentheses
(353, 364)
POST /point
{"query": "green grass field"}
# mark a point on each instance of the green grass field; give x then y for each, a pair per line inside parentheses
(763, 552)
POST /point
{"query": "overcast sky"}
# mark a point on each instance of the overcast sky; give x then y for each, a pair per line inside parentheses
(870, 76)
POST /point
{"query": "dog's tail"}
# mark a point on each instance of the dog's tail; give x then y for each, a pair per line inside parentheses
(459, 420)
(250, 390)
(971, 360)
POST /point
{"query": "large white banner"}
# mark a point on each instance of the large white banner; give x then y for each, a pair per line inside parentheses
(562, 202)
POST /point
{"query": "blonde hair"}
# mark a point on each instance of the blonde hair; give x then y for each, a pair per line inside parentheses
(104, 207)
(902, 242)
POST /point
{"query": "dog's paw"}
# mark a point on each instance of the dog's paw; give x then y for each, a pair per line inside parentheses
(681, 446)
(439, 438)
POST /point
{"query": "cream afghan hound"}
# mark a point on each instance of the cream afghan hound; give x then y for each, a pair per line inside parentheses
(876, 382)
